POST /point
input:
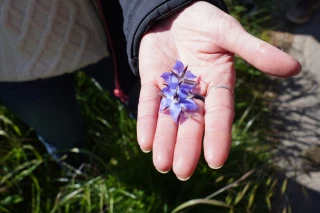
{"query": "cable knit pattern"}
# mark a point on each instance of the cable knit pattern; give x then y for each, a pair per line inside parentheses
(45, 38)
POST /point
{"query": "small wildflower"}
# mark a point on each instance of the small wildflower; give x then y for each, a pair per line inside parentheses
(177, 95)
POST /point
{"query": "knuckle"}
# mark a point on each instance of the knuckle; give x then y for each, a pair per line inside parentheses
(258, 52)
(218, 109)
(148, 99)
(160, 137)
(147, 117)
(191, 140)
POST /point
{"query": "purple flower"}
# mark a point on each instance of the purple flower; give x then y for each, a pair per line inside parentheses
(177, 96)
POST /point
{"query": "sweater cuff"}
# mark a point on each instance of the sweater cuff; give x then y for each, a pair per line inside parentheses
(162, 11)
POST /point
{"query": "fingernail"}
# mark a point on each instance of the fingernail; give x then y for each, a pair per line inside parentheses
(216, 167)
(145, 151)
(183, 179)
(163, 172)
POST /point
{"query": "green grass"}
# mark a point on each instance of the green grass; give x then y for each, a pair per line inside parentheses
(123, 178)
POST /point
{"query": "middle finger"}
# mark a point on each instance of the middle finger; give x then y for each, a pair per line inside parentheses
(189, 142)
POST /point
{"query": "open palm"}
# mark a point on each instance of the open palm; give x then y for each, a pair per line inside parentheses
(204, 38)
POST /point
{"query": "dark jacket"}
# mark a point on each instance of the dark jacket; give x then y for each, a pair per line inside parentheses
(128, 20)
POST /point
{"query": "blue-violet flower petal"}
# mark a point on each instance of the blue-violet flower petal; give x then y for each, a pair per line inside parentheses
(175, 110)
(189, 75)
(165, 103)
(176, 95)
(170, 79)
(178, 67)
(188, 104)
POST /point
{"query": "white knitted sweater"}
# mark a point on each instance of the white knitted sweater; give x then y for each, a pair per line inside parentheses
(45, 38)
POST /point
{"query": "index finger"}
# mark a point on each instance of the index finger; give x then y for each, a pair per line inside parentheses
(148, 109)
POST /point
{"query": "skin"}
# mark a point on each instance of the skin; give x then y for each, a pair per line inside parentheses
(206, 39)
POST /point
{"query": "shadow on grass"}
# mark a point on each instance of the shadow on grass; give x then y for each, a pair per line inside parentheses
(293, 120)
(295, 134)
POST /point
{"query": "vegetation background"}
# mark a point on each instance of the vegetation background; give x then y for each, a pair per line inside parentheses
(122, 178)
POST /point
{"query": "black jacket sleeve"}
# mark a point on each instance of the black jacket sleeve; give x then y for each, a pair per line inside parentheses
(140, 14)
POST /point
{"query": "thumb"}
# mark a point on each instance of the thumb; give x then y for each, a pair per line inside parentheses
(258, 53)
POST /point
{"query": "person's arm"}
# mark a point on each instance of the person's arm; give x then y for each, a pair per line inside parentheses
(139, 15)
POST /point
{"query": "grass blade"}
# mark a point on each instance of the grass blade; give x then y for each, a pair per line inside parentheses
(201, 201)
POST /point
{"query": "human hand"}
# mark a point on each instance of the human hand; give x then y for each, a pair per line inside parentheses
(204, 38)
